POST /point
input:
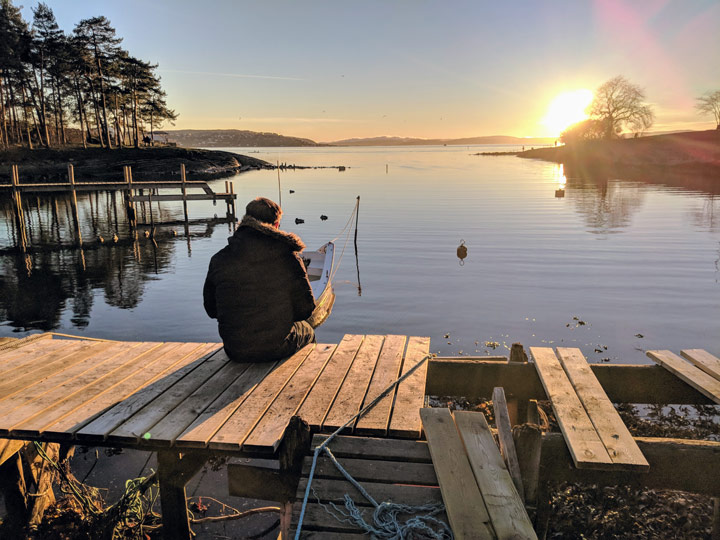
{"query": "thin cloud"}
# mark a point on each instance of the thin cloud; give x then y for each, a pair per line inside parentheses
(232, 75)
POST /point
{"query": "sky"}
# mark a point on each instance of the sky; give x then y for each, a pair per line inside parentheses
(336, 69)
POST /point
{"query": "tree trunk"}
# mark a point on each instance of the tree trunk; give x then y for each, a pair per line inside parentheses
(97, 112)
(135, 120)
(102, 90)
(118, 141)
(27, 122)
(5, 139)
(13, 111)
(78, 96)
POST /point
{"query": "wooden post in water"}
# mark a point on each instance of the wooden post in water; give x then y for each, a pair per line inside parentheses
(73, 200)
(232, 202)
(517, 409)
(19, 214)
(227, 201)
(132, 216)
(183, 179)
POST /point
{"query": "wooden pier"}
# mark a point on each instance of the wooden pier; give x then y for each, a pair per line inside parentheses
(133, 192)
(188, 402)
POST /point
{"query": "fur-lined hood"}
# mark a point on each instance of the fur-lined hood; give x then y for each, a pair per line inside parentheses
(292, 240)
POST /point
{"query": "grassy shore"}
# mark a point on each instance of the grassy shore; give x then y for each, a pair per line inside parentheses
(690, 152)
(99, 164)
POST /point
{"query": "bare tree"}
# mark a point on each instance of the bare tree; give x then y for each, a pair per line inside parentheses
(709, 103)
(618, 104)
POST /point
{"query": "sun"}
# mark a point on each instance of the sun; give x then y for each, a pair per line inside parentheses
(566, 109)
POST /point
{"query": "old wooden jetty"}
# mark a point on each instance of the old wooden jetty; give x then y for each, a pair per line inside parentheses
(145, 191)
(188, 402)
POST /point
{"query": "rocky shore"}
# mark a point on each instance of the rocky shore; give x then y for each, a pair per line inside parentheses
(98, 164)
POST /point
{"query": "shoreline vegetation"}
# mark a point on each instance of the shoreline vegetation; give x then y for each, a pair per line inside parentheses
(693, 152)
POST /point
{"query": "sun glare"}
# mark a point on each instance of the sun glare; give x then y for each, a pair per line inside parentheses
(566, 109)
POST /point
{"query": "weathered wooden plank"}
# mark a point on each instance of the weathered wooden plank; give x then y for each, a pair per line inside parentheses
(330, 490)
(587, 449)
(15, 344)
(679, 464)
(507, 446)
(236, 429)
(387, 369)
(176, 421)
(612, 431)
(318, 402)
(410, 396)
(11, 359)
(43, 367)
(199, 433)
(354, 387)
(464, 504)
(370, 470)
(623, 383)
(685, 371)
(99, 429)
(504, 505)
(141, 424)
(43, 393)
(170, 358)
(317, 521)
(374, 448)
(268, 432)
(704, 360)
(81, 390)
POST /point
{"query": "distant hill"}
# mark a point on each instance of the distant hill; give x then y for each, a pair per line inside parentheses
(401, 141)
(226, 138)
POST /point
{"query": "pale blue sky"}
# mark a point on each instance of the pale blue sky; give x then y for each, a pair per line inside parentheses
(335, 69)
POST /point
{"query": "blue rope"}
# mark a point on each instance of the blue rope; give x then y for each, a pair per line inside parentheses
(386, 514)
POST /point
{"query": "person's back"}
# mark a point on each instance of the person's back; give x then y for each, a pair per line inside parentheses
(257, 288)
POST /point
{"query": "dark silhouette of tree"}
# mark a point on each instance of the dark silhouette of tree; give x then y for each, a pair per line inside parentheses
(709, 103)
(586, 130)
(620, 104)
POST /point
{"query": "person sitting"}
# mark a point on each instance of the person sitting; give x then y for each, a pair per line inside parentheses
(257, 288)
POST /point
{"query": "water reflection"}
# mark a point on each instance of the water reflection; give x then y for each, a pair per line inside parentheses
(58, 271)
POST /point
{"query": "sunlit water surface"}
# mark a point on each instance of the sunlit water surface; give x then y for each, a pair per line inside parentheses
(615, 267)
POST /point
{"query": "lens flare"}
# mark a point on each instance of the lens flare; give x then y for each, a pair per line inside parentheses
(566, 109)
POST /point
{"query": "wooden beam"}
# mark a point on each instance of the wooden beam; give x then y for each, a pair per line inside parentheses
(680, 464)
(174, 472)
(622, 383)
(695, 377)
(704, 360)
(507, 445)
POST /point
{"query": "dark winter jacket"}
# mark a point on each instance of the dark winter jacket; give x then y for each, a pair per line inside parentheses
(257, 287)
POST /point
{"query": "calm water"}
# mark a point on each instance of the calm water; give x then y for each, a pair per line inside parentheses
(626, 258)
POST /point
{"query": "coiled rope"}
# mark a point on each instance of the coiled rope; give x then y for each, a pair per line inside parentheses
(386, 515)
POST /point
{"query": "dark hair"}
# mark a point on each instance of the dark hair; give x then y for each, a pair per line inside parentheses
(264, 210)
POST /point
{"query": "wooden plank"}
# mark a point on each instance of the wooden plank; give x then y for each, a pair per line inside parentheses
(585, 446)
(613, 433)
(330, 490)
(199, 433)
(373, 448)
(317, 520)
(381, 471)
(504, 505)
(704, 360)
(185, 413)
(43, 367)
(78, 392)
(464, 504)
(235, 430)
(410, 395)
(99, 429)
(507, 445)
(170, 359)
(387, 369)
(268, 432)
(695, 377)
(626, 383)
(352, 392)
(89, 362)
(16, 357)
(318, 402)
(141, 424)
